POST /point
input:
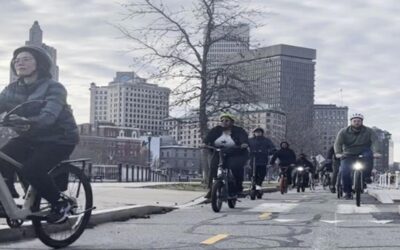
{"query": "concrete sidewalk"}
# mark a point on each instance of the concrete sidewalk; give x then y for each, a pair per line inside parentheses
(384, 195)
(120, 201)
(111, 195)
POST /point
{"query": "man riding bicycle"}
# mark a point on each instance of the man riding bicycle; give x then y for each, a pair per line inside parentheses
(235, 140)
(304, 162)
(287, 158)
(261, 147)
(351, 142)
(47, 134)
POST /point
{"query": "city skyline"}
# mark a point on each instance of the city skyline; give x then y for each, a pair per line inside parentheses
(355, 43)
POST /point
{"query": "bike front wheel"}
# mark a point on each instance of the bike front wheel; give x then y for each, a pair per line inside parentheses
(217, 196)
(358, 187)
(77, 189)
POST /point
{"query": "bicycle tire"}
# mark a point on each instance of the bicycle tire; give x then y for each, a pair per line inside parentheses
(41, 227)
(231, 203)
(357, 187)
(216, 196)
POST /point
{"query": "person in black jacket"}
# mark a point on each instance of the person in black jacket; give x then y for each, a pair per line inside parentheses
(47, 134)
(335, 164)
(260, 149)
(303, 161)
(287, 158)
(228, 136)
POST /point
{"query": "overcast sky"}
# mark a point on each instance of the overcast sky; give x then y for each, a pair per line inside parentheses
(357, 43)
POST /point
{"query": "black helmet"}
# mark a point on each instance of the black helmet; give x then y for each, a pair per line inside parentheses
(259, 130)
(42, 58)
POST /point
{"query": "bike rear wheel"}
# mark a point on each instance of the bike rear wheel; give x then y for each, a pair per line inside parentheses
(339, 186)
(231, 203)
(357, 187)
(217, 196)
(78, 190)
(282, 185)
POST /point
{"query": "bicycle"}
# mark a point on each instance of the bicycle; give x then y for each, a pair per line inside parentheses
(357, 178)
(223, 183)
(73, 184)
(326, 179)
(283, 182)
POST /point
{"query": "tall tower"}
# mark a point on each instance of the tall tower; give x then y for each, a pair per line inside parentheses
(36, 39)
(283, 77)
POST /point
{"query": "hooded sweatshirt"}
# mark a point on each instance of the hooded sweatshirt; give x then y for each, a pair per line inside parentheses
(286, 156)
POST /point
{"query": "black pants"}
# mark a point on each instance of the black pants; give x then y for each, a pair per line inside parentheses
(261, 172)
(335, 171)
(236, 164)
(37, 159)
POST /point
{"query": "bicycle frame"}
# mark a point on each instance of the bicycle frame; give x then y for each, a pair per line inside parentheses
(12, 210)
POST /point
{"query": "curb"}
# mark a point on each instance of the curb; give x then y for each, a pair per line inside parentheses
(381, 197)
(246, 193)
(97, 218)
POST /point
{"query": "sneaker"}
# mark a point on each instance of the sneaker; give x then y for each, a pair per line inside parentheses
(258, 187)
(348, 196)
(333, 189)
(59, 212)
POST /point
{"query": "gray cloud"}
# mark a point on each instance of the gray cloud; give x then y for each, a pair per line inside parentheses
(356, 41)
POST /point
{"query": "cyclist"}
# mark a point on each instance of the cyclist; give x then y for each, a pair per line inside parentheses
(261, 147)
(47, 134)
(235, 140)
(303, 161)
(287, 158)
(355, 140)
(333, 164)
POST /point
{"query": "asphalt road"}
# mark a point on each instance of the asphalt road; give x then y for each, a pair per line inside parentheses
(310, 220)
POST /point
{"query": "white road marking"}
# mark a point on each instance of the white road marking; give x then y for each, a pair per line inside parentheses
(332, 221)
(284, 220)
(273, 207)
(353, 209)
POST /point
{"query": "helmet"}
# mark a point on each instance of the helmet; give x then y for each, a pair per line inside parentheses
(41, 56)
(227, 115)
(356, 115)
(259, 130)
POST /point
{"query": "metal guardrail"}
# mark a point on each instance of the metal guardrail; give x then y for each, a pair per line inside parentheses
(125, 173)
(389, 180)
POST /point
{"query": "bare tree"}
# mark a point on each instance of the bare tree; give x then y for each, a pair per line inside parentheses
(176, 43)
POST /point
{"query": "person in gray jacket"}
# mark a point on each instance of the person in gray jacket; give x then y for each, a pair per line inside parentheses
(351, 142)
(47, 133)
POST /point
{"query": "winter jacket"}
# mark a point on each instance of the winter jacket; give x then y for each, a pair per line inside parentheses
(351, 142)
(305, 163)
(286, 156)
(238, 134)
(260, 148)
(51, 122)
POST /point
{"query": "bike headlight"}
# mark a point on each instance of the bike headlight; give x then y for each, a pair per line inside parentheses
(358, 166)
(300, 169)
